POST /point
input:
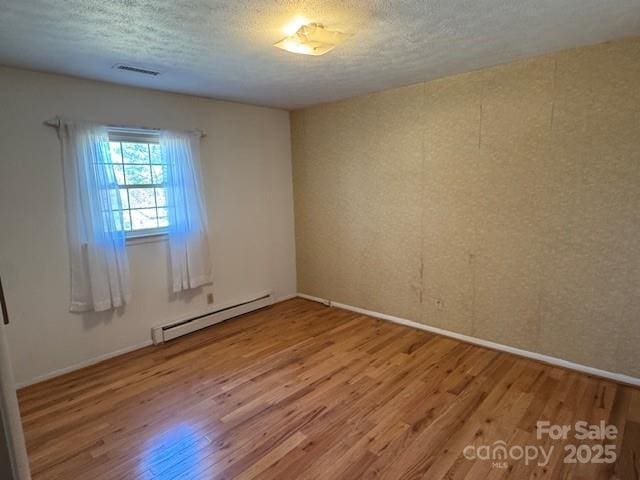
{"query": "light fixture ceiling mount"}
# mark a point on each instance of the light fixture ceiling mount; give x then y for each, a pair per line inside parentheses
(311, 39)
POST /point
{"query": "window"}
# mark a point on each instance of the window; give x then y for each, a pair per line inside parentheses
(140, 174)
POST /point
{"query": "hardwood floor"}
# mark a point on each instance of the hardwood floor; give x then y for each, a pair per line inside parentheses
(301, 390)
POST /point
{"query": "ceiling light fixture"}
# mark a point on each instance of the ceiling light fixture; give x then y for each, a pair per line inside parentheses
(311, 39)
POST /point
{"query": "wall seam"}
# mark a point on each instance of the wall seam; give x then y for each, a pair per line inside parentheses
(553, 94)
(476, 233)
(480, 127)
(423, 127)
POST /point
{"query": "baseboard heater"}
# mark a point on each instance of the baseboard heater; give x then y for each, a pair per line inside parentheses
(163, 333)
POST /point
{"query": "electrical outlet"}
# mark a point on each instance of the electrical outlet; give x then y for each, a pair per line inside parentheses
(209, 298)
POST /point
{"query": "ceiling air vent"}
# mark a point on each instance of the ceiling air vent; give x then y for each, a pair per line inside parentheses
(131, 68)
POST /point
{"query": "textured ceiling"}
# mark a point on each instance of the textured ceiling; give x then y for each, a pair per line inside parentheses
(223, 49)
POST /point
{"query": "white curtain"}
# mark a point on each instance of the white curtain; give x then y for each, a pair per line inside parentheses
(188, 237)
(99, 265)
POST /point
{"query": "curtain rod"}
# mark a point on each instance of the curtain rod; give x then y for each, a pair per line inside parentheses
(55, 123)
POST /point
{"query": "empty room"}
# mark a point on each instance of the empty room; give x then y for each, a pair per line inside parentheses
(320, 240)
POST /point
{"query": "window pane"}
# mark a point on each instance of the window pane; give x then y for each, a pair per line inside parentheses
(161, 198)
(117, 220)
(135, 152)
(163, 219)
(158, 173)
(154, 149)
(126, 217)
(141, 198)
(143, 218)
(137, 174)
(116, 152)
(124, 198)
(119, 171)
(113, 199)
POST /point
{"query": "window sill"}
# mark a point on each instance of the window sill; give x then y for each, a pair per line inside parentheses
(147, 238)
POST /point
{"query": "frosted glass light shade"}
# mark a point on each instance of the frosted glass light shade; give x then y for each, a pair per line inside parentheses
(311, 39)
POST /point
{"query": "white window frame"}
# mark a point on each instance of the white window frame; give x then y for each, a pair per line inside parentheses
(133, 135)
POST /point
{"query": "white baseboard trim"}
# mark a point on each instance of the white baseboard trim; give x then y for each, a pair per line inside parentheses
(316, 299)
(558, 362)
(86, 363)
(616, 377)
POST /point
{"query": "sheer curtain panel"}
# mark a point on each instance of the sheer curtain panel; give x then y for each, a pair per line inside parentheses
(99, 264)
(188, 237)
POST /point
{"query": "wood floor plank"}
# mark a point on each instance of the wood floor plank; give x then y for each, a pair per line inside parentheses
(301, 390)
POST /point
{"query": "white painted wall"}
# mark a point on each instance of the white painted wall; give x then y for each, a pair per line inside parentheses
(247, 170)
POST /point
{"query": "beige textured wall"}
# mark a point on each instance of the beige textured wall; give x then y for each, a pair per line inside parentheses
(502, 204)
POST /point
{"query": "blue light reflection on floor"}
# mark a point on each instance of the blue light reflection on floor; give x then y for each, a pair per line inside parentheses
(173, 451)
